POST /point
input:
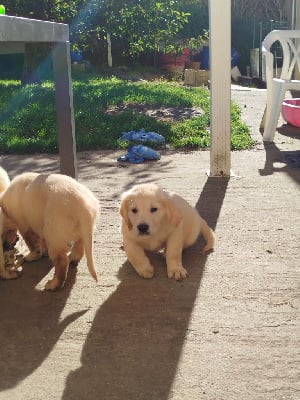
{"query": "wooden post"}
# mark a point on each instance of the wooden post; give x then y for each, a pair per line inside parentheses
(220, 86)
(297, 26)
(109, 55)
(64, 107)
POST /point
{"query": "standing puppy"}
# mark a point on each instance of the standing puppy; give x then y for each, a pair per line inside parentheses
(54, 214)
(153, 219)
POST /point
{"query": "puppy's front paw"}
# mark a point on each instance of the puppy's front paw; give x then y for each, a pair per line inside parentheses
(208, 249)
(8, 274)
(54, 284)
(177, 273)
(145, 272)
(33, 256)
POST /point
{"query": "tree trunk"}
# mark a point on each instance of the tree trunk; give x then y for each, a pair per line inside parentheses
(109, 56)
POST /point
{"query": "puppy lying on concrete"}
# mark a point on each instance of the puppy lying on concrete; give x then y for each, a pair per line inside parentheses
(152, 220)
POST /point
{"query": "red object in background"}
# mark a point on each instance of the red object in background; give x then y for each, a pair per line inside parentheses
(171, 60)
(291, 111)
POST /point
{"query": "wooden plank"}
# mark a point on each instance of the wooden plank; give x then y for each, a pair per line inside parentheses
(220, 86)
(64, 109)
(16, 29)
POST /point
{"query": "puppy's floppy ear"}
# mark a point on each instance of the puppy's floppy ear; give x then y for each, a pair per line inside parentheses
(173, 212)
(124, 211)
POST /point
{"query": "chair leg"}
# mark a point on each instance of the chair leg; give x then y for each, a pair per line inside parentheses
(263, 121)
(274, 104)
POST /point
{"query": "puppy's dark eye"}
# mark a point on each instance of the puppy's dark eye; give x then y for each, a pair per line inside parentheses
(134, 210)
(153, 209)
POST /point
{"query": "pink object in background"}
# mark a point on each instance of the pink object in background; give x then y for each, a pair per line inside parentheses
(291, 111)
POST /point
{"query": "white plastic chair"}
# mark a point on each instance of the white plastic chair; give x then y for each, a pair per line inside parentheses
(276, 87)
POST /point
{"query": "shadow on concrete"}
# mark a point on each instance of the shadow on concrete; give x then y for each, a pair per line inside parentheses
(105, 162)
(135, 173)
(30, 322)
(134, 346)
(211, 199)
(281, 161)
(17, 164)
(289, 131)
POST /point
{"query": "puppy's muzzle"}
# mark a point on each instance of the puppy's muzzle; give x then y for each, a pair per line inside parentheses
(143, 229)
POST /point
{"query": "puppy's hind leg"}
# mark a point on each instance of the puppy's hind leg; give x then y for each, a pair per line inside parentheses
(76, 254)
(60, 260)
(209, 236)
(34, 244)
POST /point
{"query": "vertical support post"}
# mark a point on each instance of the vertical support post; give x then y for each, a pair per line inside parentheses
(220, 86)
(64, 108)
(297, 15)
(109, 55)
(297, 26)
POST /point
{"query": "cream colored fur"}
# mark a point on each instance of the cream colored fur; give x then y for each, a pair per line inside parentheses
(52, 212)
(7, 230)
(152, 220)
(3, 271)
(4, 180)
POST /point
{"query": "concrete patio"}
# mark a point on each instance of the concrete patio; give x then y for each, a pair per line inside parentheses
(230, 331)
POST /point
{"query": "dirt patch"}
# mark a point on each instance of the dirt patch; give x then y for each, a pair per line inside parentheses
(158, 112)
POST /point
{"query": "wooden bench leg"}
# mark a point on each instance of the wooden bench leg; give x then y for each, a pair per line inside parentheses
(64, 108)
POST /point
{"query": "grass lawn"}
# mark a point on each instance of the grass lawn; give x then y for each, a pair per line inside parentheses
(28, 116)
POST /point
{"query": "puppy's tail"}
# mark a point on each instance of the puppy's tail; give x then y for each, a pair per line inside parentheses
(87, 222)
(89, 253)
(208, 235)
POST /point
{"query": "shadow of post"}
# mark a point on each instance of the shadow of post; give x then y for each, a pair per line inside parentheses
(211, 199)
(134, 346)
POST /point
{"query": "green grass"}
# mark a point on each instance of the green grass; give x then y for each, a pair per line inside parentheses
(28, 116)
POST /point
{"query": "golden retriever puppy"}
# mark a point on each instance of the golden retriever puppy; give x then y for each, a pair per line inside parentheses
(153, 220)
(4, 180)
(56, 215)
(8, 231)
(4, 273)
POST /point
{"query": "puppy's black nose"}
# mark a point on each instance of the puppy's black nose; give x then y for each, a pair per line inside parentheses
(143, 228)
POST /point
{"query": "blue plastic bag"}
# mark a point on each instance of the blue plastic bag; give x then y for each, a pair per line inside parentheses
(138, 154)
(142, 136)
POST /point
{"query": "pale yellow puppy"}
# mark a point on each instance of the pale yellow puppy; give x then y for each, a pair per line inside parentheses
(153, 220)
(4, 274)
(8, 231)
(56, 215)
(4, 180)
